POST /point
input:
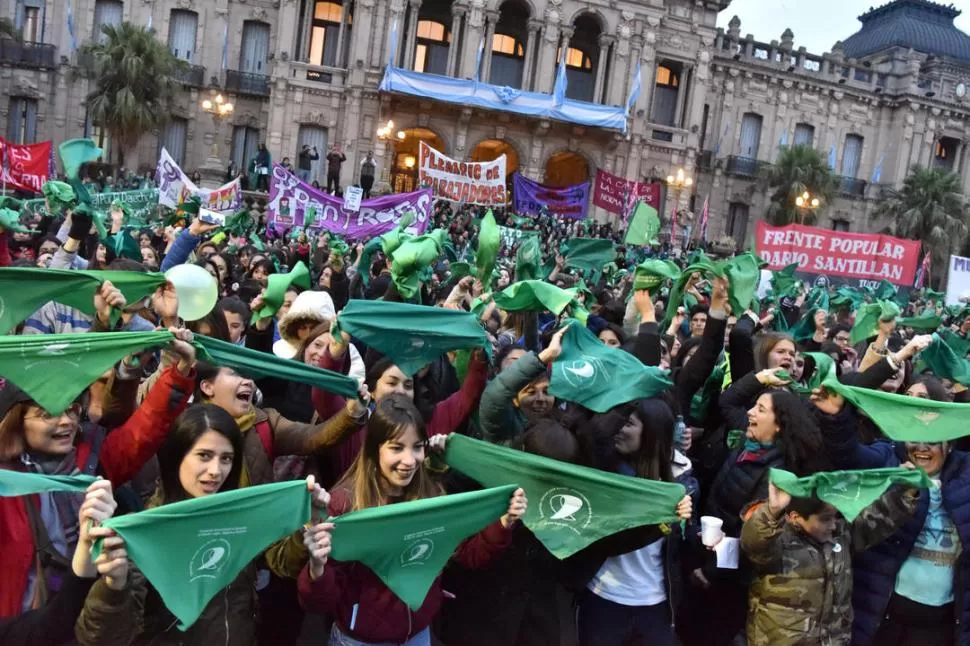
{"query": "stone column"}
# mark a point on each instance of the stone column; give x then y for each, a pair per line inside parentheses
(545, 71)
(360, 40)
(490, 25)
(286, 32)
(474, 33)
(304, 53)
(620, 72)
(341, 60)
(530, 54)
(457, 14)
(685, 80)
(604, 42)
(410, 43)
(648, 67)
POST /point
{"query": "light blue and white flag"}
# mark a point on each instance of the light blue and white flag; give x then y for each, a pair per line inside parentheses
(634, 91)
(877, 171)
(70, 26)
(833, 157)
(225, 45)
(559, 91)
(392, 45)
(478, 60)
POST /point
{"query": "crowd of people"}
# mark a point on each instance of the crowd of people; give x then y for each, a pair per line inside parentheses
(164, 427)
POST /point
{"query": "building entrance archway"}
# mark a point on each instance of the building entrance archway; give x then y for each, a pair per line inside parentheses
(404, 165)
(566, 168)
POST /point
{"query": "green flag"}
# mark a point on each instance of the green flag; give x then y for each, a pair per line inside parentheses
(743, 273)
(528, 259)
(411, 258)
(73, 288)
(589, 254)
(928, 321)
(411, 335)
(867, 319)
(257, 365)
(886, 291)
(652, 273)
(408, 544)
(783, 281)
(10, 221)
(276, 288)
(804, 328)
(901, 418)
(191, 550)
(488, 244)
(537, 296)
(944, 362)
(959, 344)
(570, 507)
(599, 377)
(849, 491)
(55, 368)
(19, 483)
(75, 153)
(644, 226)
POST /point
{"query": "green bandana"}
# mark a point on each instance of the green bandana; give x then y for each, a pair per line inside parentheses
(644, 226)
(10, 221)
(804, 329)
(589, 254)
(959, 344)
(97, 217)
(849, 491)
(885, 291)
(276, 288)
(528, 259)
(123, 245)
(18, 483)
(411, 258)
(74, 288)
(570, 507)
(257, 365)
(59, 195)
(190, 550)
(74, 153)
(239, 224)
(901, 418)
(538, 296)
(488, 244)
(393, 239)
(925, 322)
(743, 272)
(55, 368)
(650, 274)
(412, 336)
(847, 296)
(944, 362)
(599, 377)
(459, 270)
(783, 282)
(408, 544)
(867, 319)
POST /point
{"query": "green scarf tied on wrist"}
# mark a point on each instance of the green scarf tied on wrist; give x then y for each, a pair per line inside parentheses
(54, 369)
(75, 288)
(851, 492)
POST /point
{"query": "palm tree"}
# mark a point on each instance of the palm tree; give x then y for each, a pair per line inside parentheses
(134, 84)
(931, 208)
(798, 169)
(9, 30)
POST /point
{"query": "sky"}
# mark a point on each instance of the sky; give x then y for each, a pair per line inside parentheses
(817, 24)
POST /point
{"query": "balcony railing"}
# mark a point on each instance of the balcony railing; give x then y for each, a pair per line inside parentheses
(26, 54)
(743, 166)
(852, 187)
(246, 83)
(191, 75)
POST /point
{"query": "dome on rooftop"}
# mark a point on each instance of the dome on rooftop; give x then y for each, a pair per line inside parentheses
(919, 24)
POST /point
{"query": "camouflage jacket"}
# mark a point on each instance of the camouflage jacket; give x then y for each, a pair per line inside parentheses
(802, 591)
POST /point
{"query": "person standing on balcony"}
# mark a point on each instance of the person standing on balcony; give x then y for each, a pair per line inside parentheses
(334, 159)
(262, 164)
(304, 162)
(368, 167)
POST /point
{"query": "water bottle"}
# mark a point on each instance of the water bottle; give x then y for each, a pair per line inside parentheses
(680, 428)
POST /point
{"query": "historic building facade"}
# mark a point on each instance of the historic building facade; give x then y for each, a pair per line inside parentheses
(716, 103)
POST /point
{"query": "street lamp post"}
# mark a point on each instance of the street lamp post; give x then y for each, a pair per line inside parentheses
(677, 183)
(804, 203)
(220, 109)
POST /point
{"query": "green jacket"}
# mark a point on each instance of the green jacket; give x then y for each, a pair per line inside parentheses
(802, 591)
(501, 420)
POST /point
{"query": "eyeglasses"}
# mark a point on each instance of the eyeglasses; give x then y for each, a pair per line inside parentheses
(73, 411)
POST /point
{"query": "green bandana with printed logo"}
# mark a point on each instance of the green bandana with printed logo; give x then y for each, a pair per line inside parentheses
(55, 368)
(570, 507)
(944, 362)
(849, 491)
(190, 550)
(258, 365)
(20, 483)
(412, 336)
(24, 290)
(408, 544)
(599, 377)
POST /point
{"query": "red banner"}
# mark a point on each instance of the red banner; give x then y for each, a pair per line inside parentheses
(617, 195)
(26, 167)
(838, 254)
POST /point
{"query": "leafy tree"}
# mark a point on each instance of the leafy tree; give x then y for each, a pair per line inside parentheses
(9, 30)
(134, 84)
(798, 169)
(930, 208)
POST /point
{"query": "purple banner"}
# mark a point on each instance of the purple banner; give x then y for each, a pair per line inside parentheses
(296, 203)
(534, 198)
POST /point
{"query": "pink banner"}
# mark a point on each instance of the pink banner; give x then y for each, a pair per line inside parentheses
(617, 195)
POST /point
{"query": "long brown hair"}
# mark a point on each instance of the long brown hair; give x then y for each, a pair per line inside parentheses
(765, 344)
(391, 419)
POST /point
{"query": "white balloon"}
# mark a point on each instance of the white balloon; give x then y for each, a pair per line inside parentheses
(196, 289)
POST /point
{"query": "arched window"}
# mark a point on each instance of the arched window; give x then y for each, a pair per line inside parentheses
(328, 46)
(431, 52)
(508, 61)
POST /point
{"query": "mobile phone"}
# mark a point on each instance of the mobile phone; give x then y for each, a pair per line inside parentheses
(211, 217)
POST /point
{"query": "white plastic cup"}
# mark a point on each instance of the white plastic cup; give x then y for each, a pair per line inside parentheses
(711, 531)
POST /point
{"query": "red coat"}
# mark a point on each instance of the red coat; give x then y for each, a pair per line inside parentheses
(124, 452)
(447, 416)
(381, 615)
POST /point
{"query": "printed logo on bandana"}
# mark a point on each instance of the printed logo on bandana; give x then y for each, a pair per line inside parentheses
(209, 559)
(565, 508)
(581, 372)
(418, 552)
(926, 417)
(53, 354)
(849, 487)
